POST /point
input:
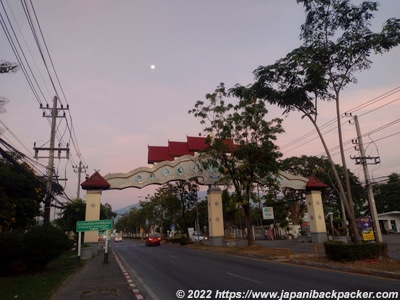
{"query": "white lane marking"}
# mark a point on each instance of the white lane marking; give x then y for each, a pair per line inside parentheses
(173, 256)
(244, 278)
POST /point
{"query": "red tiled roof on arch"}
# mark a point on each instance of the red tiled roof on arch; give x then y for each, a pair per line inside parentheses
(231, 145)
(95, 182)
(177, 149)
(196, 143)
(158, 154)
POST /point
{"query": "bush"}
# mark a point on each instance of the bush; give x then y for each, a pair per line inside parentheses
(185, 241)
(43, 244)
(339, 251)
(11, 252)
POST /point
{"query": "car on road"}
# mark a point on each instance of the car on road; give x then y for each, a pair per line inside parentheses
(117, 238)
(198, 236)
(153, 240)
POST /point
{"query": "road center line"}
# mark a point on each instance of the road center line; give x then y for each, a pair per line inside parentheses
(173, 256)
(244, 278)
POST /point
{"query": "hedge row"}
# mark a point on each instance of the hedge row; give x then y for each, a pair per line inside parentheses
(339, 251)
(32, 250)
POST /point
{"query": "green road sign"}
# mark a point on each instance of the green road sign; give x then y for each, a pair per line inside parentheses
(99, 225)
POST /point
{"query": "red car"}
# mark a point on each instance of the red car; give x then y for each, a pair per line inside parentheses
(153, 240)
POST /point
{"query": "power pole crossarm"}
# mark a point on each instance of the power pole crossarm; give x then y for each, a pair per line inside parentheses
(53, 115)
(79, 169)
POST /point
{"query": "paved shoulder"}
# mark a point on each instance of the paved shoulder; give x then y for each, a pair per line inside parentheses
(98, 280)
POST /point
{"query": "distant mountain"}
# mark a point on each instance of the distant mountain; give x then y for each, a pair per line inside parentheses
(125, 210)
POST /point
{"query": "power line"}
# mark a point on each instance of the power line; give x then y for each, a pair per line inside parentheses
(14, 40)
(16, 47)
(312, 135)
(69, 126)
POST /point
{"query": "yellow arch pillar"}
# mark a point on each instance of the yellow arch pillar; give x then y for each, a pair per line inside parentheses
(215, 216)
(315, 210)
(93, 201)
(93, 186)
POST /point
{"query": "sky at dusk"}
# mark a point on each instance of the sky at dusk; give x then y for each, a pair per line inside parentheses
(102, 52)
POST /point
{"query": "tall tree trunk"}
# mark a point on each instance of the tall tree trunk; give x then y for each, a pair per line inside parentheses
(349, 210)
(250, 236)
(349, 197)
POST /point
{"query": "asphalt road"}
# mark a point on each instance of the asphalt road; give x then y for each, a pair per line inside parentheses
(160, 272)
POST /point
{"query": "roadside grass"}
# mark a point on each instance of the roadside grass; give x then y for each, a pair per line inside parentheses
(42, 285)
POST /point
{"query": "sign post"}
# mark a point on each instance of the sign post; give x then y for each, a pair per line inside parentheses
(97, 225)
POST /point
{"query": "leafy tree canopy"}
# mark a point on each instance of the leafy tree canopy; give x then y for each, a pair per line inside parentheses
(21, 194)
(387, 194)
(337, 43)
(75, 211)
(321, 168)
(240, 142)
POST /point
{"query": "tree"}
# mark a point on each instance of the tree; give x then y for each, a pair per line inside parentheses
(162, 208)
(21, 194)
(172, 203)
(240, 143)
(200, 214)
(387, 194)
(106, 212)
(337, 43)
(186, 192)
(281, 211)
(229, 207)
(295, 204)
(321, 168)
(132, 221)
(75, 211)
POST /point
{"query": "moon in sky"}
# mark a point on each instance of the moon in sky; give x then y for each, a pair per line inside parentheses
(152, 67)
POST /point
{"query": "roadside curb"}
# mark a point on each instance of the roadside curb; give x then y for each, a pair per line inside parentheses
(132, 285)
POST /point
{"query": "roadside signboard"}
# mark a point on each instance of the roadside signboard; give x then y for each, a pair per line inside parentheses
(367, 230)
(268, 213)
(98, 225)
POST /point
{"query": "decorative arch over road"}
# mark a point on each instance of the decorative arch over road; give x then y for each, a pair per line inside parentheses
(180, 161)
(184, 168)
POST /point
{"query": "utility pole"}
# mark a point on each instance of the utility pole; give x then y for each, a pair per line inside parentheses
(363, 161)
(53, 115)
(79, 169)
